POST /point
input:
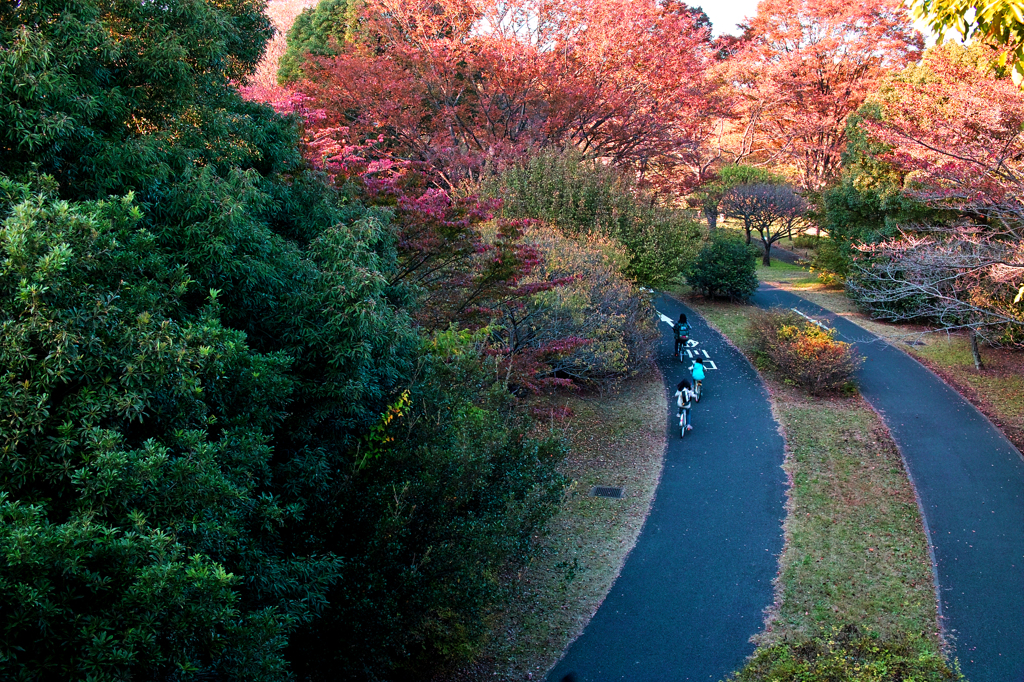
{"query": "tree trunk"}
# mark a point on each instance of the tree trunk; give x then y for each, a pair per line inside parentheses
(748, 233)
(974, 348)
(767, 260)
(712, 217)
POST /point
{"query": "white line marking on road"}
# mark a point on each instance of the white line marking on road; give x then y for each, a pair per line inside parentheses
(692, 343)
(665, 318)
(705, 354)
(710, 364)
(811, 319)
(689, 354)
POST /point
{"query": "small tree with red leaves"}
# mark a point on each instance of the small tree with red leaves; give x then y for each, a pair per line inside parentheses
(956, 129)
(464, 85)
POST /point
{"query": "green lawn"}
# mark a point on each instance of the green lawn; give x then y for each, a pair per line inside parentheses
(787, 273)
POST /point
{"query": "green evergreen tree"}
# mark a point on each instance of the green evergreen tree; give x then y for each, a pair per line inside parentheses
(135, 458)
(725, 266)
(581, 196)
(317, 31)
(197, 341)
(868, 201)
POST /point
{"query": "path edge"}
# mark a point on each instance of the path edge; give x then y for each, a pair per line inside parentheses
(655, 369)
(771, 612)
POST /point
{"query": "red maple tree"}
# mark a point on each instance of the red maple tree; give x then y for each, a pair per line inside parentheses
(804, 66)
(955, 129)
(463, 84)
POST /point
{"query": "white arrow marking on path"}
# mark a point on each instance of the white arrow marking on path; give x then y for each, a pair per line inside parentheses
(810, 319)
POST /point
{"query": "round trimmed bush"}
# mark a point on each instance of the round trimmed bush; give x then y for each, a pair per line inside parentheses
(806, 355)
(725, 267)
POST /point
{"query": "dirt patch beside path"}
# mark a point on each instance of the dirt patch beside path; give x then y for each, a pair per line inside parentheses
(617, 440)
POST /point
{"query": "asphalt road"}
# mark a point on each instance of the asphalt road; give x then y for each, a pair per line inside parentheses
(970, 484)
(694, 589)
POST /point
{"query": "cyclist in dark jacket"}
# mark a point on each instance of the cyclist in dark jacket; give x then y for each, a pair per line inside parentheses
(681, 330)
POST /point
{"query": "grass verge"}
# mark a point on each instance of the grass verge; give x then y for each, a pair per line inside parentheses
(855, 550)
(616, 439)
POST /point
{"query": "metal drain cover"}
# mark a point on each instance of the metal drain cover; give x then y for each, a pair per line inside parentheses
(605, 491)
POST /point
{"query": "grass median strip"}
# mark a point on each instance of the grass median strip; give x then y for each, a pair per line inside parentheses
(855, 548)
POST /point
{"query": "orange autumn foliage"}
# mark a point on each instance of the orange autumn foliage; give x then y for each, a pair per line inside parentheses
(807, 355)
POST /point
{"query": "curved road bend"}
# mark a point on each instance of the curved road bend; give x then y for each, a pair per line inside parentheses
(694, 588)
(970, 482)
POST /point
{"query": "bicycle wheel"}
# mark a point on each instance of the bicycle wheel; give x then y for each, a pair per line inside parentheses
(698, 389)
(682, 425)
(682, 349)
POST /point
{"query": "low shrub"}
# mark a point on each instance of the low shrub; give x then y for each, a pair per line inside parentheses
(725, 267)
(849, 655)
(806, 354)
(583, 197)
(593, 330)
(832, 261)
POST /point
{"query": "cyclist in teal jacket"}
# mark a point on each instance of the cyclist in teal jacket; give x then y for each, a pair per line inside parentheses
(697, 369)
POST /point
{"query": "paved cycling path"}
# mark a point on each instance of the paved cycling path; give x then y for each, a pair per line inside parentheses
(970, 481)
(693, 590)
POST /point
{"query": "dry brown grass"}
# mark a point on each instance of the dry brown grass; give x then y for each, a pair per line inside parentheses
(617, 439)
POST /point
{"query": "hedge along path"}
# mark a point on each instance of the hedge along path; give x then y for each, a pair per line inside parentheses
(695, 588)
(855, 546)
(616, 438)
(970, 483)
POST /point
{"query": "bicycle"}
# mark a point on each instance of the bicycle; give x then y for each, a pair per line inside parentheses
(682, 342)
(683, 419)
(697, 371)
(683, 396)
